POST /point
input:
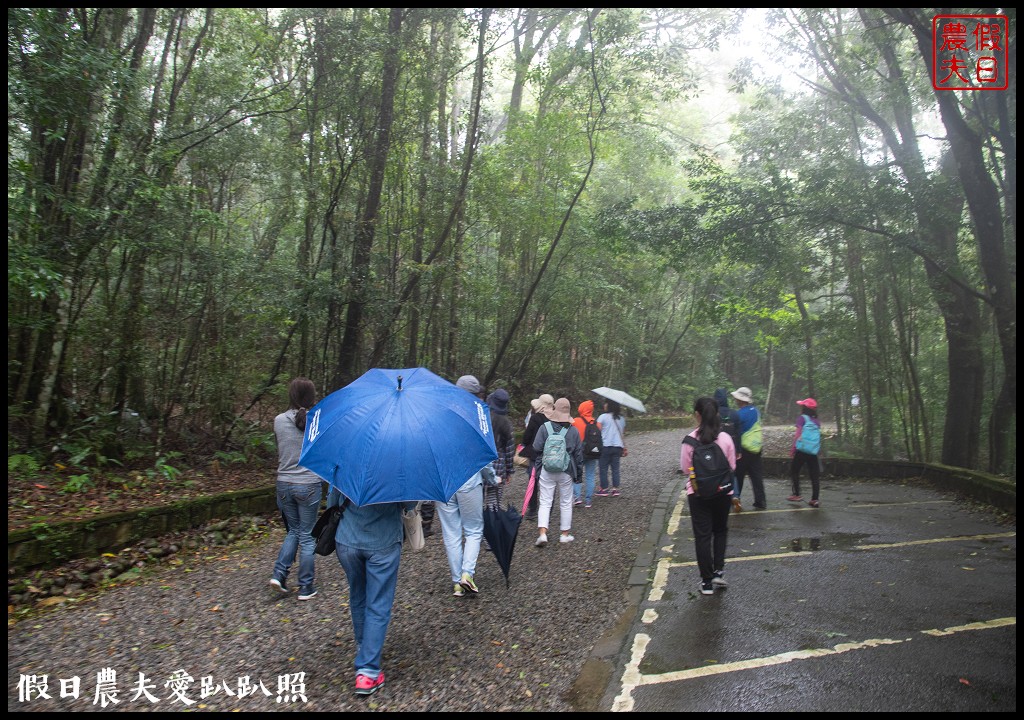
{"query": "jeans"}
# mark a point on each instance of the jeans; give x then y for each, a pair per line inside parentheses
(299, 505)
(463, 516)
(547, 483)
(334, 496)
(710, 518)
(586, 488)
(750, 463)
(610, 457)
(372, 579)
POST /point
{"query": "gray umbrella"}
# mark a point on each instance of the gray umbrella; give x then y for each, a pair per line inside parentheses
(622, 398)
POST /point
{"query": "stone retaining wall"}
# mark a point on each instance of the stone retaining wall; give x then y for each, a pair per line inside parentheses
(45, 544)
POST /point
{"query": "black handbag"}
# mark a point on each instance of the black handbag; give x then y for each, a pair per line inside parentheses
(326, 527)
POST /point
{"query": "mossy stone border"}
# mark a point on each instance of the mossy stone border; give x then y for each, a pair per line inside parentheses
(49, 544)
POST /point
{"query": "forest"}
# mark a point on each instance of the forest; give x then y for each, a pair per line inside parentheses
(204, 203)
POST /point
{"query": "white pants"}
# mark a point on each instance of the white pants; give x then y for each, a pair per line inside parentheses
(547, 482)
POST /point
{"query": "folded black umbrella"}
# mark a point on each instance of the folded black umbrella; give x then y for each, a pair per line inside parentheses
(501, 527)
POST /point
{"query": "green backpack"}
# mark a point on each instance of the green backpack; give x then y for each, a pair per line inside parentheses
(752, 439)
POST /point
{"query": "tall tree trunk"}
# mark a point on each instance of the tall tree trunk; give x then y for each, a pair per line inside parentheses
(351, 342)
(983, 203)
(935, 242)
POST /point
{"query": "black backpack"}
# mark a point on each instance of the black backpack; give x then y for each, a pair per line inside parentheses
(710, 473)
(592, 442)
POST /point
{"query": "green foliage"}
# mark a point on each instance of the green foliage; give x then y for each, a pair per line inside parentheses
(22, 465)
(163, 469)
(232, 457)
(78, 483)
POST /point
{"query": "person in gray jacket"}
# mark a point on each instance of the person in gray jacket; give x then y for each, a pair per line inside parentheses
(298, 491)
(558, 420)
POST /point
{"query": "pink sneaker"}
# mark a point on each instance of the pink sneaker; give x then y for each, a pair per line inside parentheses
(795, 498)
(366, 686)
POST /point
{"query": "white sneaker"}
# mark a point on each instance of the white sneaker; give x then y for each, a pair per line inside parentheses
(542, 540)
(565, 538)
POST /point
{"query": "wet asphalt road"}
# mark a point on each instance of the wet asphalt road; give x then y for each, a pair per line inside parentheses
(890, 597)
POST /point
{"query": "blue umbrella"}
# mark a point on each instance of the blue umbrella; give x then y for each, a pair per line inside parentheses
(398, 436)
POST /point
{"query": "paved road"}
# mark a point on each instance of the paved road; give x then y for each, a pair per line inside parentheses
(889, 598)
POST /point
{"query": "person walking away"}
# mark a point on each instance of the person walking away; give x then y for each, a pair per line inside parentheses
(559, 464)
(613, 433)
(709, 510)
(298, 491)
(805, 451)
(504, 441)
(583, 493)
(462, 519)
(542, 406)
(369, 547)
(731, 426)
(748, 454)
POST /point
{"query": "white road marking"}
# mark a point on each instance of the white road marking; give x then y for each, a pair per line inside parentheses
(633, 678)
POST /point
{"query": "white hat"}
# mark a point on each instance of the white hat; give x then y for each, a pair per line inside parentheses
(743, 394)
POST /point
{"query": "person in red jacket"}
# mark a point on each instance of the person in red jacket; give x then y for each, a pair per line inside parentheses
(583, 492)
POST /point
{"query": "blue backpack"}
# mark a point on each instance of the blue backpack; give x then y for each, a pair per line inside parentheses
(810, 437)
(556, 457)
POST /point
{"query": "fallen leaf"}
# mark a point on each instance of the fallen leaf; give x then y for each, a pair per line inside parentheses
(497, 642)
(215, 608)
(964, 567)
(965, 681)
(56, 600)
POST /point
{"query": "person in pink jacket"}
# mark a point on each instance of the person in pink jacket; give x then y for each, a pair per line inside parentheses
(709, 515)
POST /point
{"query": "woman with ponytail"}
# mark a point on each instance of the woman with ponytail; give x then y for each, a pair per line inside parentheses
(709, 515)
(298, 491)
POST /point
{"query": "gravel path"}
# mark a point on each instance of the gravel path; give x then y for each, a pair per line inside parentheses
(515, 649)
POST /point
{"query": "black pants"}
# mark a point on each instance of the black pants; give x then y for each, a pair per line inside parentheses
(427, 514)
(799, 460)
(534, 504)
(749, 463)
(710, 518)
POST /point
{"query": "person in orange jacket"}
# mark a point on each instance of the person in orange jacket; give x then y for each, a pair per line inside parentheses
(584, 492)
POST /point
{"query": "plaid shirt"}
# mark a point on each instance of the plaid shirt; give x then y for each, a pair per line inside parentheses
(504, 465)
